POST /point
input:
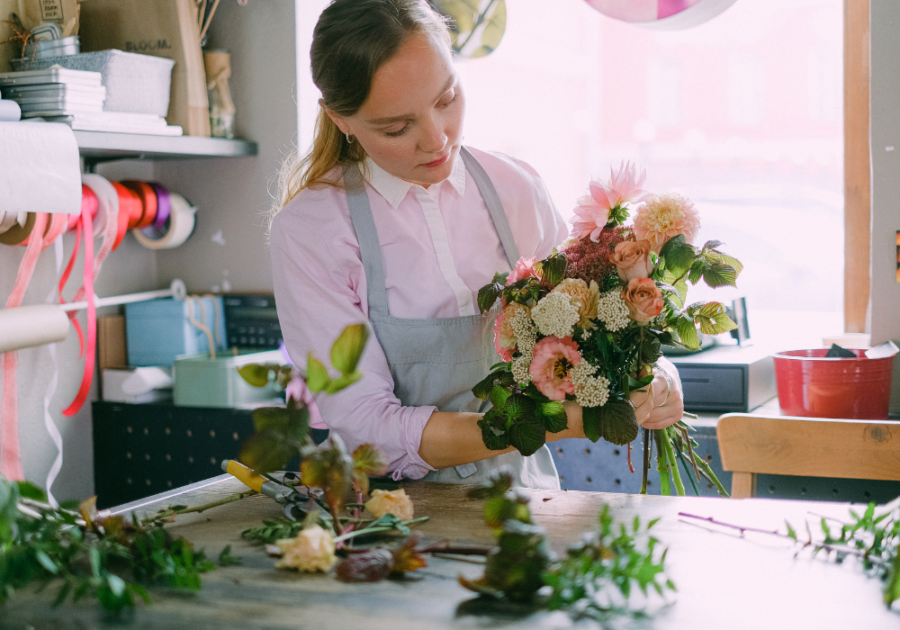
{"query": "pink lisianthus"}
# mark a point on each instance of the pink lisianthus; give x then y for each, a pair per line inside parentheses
(665, 216)
(524, 268)
(552, 364)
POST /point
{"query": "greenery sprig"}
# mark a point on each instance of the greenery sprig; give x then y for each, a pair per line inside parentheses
(112, 559)
(597, 577)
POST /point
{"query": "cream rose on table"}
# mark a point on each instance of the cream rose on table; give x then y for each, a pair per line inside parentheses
(311, 551)
(394, 502)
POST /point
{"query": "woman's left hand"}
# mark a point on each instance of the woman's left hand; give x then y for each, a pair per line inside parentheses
(665, 405)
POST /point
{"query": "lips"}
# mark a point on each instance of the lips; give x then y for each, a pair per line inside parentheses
(437, 162)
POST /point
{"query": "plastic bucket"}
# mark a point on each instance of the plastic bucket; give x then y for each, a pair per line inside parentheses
(809, 384)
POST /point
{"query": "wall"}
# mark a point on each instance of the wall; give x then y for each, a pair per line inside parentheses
(885, 151)
(232, 196)
(228, 249)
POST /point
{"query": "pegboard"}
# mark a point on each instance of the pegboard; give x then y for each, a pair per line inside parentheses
(603, 467)
(140, 450)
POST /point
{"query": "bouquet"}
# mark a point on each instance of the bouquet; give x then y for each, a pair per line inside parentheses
(588, 323)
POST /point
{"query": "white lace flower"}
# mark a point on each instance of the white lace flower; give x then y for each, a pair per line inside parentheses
(613, 311)
(590, 390)
(555, 315)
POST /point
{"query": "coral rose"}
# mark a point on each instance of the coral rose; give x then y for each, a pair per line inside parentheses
(390, 502)
(643, 299)
(585, 298)
(312, 550)
(550, 368)
(524, 268)
(632, 259)
(662, 217)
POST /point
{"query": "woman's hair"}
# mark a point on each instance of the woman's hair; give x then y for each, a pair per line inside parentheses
(352, 39)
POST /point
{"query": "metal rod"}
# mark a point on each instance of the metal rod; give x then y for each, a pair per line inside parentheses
(176, 290)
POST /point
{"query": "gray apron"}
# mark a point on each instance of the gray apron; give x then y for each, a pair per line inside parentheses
(438, 361)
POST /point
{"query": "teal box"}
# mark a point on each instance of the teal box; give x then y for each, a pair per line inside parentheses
(204, 382)
(158, 331)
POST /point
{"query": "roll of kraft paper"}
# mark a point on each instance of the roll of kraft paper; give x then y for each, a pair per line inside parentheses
(41, 168)
(29, 326)
(181, 226)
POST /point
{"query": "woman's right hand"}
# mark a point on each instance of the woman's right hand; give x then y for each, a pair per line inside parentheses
(659, 405)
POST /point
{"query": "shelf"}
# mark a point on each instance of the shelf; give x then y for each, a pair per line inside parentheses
(97, 146)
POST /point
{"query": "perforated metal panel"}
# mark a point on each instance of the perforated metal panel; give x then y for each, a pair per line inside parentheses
(603, 467)
(144, 449)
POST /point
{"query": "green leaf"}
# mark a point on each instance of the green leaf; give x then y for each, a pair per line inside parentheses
(487, 296)
(591, 423)
(519, 407)
(493, 439)
(713, 318)
(687, 332)
(497, 485)
(266, 451)
(317, 378)
(618, 422)
(255, 374)
(527, 436)
(342, 381)
(499, 396)
(697, 271)
(552, 416)
(497, 510)
(677, 254)
(348, 348)
(226, 559)
(29, 490)
(720, 275)
(553, 268)
(46, 562)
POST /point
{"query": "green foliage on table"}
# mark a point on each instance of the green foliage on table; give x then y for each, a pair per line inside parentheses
(595, 579)
(111, 559)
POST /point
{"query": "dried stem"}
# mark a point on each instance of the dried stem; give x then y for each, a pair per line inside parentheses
(169, 512)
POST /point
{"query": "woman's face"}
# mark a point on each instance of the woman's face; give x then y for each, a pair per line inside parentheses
(411, 122)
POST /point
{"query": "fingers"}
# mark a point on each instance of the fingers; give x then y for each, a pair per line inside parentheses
(660, 407)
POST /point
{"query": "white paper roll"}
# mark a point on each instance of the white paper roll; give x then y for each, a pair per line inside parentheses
(181, 225)
(10, 111)
(41, 168)
(28, 326)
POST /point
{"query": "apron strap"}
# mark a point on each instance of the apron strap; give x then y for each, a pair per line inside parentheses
(492, 201)
(367, 236)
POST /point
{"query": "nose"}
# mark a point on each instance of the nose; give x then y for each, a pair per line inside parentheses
(433, 138)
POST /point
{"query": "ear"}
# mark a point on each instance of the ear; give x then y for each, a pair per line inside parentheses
(338, 120)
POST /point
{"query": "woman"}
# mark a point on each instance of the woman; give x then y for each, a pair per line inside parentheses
(389, 218)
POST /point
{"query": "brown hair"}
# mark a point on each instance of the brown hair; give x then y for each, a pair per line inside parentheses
(352, 39)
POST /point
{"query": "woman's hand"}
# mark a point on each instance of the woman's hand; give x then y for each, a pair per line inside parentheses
(661, 404)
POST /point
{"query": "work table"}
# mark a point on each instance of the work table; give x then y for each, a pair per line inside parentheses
(724, 581)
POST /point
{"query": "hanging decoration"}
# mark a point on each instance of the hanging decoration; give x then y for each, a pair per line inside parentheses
(662, 14)
(476, 26)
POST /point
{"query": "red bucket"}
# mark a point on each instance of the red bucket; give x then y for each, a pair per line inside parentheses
(809, 384)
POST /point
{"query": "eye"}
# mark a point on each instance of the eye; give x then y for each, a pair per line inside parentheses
(395, 134)
(448, 100)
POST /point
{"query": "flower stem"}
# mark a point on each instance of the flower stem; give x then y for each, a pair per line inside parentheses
(375, 530)
(662, 466)
(687, 472)
(647, 460)
(672, 464)
(166, 513)
(711, 476)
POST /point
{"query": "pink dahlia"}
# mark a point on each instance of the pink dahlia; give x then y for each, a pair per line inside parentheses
(665, 216)
(524, 268)
(590, 218)
(552, 364)
(624, 186)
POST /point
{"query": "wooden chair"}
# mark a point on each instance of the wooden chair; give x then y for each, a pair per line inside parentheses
(809, 447)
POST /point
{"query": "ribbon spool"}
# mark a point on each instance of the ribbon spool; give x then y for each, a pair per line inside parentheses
(181, 226)
(147, 195)
(131, 211)
(18, 234)
(9, 219)
(163, 211)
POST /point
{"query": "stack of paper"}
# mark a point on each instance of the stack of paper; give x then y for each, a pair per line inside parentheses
(76, 98)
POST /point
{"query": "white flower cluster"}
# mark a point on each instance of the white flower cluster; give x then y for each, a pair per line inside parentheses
(590, 390)
(555, 315)
(613, 311)
(526, 337)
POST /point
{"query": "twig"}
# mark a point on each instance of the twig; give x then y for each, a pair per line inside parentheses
(166, 513)
(447, 556)
(630, 465)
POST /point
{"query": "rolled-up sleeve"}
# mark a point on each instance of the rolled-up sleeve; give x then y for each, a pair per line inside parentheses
(319, 290)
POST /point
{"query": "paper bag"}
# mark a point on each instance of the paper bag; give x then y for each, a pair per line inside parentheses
(64, 13)
(162, 28)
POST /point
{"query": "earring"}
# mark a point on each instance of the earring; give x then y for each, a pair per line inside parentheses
(349, 139)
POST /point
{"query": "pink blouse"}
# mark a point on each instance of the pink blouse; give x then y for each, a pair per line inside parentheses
(439, 247)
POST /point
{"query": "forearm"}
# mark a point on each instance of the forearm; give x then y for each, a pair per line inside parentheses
(453, 439)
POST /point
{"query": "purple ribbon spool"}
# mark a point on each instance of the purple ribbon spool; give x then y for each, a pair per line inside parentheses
(163, 210)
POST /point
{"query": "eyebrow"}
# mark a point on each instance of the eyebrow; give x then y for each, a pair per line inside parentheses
(393, 119)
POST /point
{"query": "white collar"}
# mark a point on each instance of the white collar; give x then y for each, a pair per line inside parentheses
(394, 189)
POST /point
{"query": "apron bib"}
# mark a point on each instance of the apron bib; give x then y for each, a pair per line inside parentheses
(438, 361)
